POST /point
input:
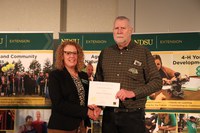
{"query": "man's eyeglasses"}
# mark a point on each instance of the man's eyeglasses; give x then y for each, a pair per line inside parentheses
(70, 53)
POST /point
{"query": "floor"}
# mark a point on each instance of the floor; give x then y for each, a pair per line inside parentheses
(96, 127)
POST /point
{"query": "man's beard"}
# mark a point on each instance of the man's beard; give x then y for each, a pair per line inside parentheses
(120, 42)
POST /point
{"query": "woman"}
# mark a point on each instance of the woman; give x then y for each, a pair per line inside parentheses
(68, 90)
(166, 73)
(166, 123)
(167, 76)
(27, 127)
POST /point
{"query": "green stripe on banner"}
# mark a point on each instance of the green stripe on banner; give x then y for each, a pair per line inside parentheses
(169, 41)
(155, 42)
(26, 41)
(89, 41)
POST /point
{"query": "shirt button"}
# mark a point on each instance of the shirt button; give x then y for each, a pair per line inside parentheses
(121, 53)
(120, 63)
(118, 75)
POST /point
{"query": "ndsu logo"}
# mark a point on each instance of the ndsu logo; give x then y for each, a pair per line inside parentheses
(71, 39)
(144, 41)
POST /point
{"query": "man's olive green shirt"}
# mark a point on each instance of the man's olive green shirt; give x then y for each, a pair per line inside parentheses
(134, 68)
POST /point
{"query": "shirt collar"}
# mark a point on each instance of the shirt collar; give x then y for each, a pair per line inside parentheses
(130, 46)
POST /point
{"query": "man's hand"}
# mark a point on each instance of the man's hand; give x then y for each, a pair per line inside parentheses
(122, 94)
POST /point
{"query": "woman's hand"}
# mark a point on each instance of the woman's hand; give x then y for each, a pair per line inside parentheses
(94, 111)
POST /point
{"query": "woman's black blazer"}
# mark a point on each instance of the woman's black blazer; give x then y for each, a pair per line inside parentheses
(66, 110)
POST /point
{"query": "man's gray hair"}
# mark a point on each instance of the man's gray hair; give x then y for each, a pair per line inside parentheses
(124, 18)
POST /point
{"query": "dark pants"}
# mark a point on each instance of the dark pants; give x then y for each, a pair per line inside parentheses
(123, 121)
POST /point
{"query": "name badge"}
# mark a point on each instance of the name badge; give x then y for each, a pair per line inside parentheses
(133, 70)
(84, 81)
(137, 63)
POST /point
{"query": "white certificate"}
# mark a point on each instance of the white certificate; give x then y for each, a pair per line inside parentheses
(103, 93)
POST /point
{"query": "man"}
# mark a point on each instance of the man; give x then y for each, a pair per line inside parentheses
(46, 90)
(41, 83)
(1, 84)
(191, 124)
(38, 124)
(89, 70)
(133, 67)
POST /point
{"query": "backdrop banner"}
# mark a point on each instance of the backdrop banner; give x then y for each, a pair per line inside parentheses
(24, 57)
(178, 51)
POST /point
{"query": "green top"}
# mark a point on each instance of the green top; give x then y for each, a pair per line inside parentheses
(192, 127)
(172, 121)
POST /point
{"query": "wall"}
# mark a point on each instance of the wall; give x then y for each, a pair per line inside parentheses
(98, 15)
(30, 15)
(90, 15)
(167, 16)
